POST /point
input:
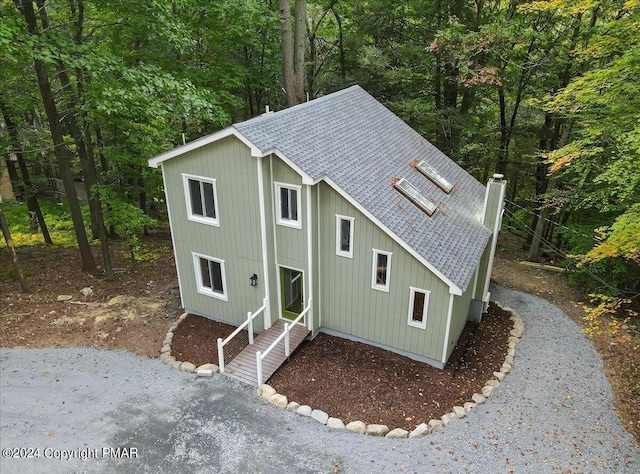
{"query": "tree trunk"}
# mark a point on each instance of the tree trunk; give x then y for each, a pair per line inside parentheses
(293, 49)
(287, 51)
(32, 200)
(299, 49)
(14, 256)
(60, 149)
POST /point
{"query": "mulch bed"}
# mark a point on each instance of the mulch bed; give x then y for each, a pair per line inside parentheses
(196, 341)
(355, 381)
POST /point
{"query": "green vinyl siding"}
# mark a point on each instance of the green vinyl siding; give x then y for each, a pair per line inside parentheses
(459, 316)
(237, 239)
(291, 249)
(349, 303)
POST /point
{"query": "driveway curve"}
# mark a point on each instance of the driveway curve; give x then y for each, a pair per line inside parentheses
(553, 413)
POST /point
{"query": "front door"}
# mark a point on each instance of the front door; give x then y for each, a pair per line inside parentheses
(291, 292)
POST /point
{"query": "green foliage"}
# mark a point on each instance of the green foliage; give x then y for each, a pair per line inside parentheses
(58, 219)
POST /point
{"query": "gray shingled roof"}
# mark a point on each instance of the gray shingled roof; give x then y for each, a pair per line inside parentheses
(356, 142)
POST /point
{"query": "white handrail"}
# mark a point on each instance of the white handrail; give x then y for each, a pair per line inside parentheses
(249, 322)
(285, 334)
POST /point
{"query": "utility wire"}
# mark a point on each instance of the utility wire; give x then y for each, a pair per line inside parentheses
(557, 224)
(563, 255)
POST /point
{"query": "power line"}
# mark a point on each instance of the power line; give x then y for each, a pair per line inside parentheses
(557, 224)
(563, 255)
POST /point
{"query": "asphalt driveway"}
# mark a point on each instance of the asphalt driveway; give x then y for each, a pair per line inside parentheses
(121, 413)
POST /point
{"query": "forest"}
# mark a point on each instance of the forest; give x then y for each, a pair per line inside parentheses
(545, 92)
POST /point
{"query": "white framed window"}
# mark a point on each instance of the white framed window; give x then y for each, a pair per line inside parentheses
(344, 236)
(210, 276)
(202, 199)
(288, 205)
(381, 272)
(418, 306)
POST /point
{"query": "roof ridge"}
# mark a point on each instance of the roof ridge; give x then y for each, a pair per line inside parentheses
(297, 107)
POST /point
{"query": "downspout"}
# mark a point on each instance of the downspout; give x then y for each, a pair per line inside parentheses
(309, 257)
(263, 237)
(445, 345)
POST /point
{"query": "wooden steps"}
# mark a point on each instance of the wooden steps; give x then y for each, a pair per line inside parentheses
(243, 366)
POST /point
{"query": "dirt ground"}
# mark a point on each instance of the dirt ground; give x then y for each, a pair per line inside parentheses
(134, 311)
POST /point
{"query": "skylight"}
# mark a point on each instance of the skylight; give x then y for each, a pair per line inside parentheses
(434, 176)
(415, 196)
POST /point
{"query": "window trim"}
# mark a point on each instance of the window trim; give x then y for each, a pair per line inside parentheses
(425, 307)
(198, 273)
(296, 224)
(374, 270)
(187, 193)
(339, 251)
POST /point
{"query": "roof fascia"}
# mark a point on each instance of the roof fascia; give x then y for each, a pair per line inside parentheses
(306, 179)
(181, 150)
(453, 288)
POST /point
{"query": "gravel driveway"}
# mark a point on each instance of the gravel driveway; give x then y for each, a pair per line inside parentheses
(554, 413)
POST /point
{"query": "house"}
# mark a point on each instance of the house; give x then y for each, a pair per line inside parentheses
(338, 206)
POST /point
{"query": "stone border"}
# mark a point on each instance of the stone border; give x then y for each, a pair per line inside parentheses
(458, 412)
(205, 370)
(268, 393)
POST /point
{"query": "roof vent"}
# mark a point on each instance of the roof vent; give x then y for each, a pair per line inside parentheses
(415, 196)
(431, 173)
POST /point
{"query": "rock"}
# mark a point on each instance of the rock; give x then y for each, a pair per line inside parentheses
(64, 297)
(508, 360)
(86, 291)
(166, 348)
(460, 412)
(304, 410)
(397, 433)
(206, 370)
(515, 332)
(320, 416)
(166, 342)
(293, 406)
(434, 425)
(266, 391)
(377, 430)
(169, 335)
(499, 376)
(173, 327)
(487, 391)
(176, 364)
(493, 383)
(279, 400)
(479, 399)
(212, 367)
(357, 426)
(468, 406)
(448, 418)
(182, 316)
(187, 367)
(421, 430)
(506, 368)
(335, 423)
(511, 353)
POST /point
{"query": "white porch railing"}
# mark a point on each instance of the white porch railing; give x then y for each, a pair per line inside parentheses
(249, 322)
(285, 334)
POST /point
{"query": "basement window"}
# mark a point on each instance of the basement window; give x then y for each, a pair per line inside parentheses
(415, 196)
(431, 173)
